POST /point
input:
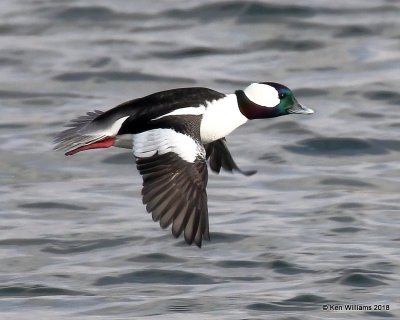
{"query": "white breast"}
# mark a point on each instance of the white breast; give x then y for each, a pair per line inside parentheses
(221, 117)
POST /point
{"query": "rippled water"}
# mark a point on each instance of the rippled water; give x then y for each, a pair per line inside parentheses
(318, 224)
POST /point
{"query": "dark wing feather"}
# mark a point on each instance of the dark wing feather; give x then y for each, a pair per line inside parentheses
(174, 191)
(219, 157)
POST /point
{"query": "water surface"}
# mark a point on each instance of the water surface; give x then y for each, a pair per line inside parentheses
(318, 225)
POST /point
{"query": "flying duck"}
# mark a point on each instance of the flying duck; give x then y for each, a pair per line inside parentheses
(172, 134)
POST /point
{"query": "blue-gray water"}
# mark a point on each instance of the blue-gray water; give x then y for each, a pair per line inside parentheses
(318, 224)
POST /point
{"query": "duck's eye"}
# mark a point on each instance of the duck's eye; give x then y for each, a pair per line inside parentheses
(282, 95)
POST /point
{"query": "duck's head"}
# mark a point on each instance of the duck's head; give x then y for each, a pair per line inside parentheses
(268, 100)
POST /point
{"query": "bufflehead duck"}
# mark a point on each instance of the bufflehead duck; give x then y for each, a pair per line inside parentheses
(172, 134)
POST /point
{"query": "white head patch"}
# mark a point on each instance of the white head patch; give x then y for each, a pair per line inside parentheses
(262, 94)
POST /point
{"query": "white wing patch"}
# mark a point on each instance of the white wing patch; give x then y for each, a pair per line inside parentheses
(161, 141)
(185, 111)
(262, 94)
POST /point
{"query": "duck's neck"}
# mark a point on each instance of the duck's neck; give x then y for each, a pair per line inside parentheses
(252, 110)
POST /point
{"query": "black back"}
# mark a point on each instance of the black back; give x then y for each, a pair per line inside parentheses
(142, 110)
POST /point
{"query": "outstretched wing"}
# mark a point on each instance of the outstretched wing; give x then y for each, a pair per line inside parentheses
(219, 157)
(174, 172)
